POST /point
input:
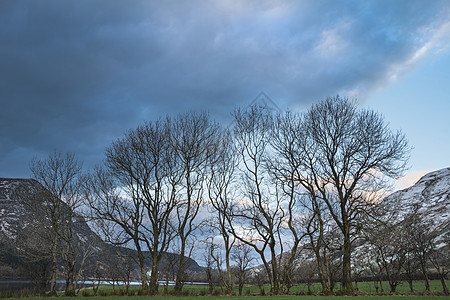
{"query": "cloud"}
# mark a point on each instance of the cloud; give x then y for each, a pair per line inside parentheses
(76, 74)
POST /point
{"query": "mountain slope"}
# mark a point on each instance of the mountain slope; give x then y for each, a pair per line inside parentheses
(429, 197)
(24, 243)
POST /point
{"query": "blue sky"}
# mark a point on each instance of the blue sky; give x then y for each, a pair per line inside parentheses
(418, 103)
(75, 75)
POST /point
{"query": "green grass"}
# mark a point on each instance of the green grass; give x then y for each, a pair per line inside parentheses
(300, 289)
(366, 290)
(369, 287)
(363, 287)
(290, 297)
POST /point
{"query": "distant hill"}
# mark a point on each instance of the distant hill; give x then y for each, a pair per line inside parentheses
(430, 197)
(24, 244)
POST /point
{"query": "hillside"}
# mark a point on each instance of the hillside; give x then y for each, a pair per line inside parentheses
(429, 197)
(24, 243)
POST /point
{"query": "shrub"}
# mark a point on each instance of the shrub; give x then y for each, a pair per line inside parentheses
(186, 292)
(216, 292)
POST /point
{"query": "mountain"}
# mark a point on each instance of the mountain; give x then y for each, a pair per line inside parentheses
(24, 243)
(429, 197)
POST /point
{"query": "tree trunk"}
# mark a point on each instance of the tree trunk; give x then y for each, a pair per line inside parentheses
(43, 283)
(425, 275)
(275, 288)
(347, 286)
(320, 270)
(70, 261)
(329, 275)
(309, 287)
(444, 285)
(381, 284)
(179, 280)
(142, 267)
(390, 278)
(153, 285)
(393, 286)
(230, 284)
(54, 265)
(411, 287)
(70, 289)
(268, 272)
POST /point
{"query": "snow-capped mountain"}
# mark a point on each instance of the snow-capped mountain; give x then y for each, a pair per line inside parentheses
(429, 197)
(21, 234)
(23, 238)
(13, 218)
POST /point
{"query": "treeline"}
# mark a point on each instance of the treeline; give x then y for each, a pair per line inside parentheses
(273, 185)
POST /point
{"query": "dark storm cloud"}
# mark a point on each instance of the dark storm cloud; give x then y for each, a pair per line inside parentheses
(76, 74)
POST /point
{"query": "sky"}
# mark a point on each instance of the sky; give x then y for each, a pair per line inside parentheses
(75, 75)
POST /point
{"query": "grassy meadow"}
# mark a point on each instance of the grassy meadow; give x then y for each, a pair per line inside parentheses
(366, 290)
(286, 297)
(299, 289)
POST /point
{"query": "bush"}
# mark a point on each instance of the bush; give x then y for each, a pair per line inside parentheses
(23, 293)
(6, 294)
(216, 292)
(185, 292)
(69, 293)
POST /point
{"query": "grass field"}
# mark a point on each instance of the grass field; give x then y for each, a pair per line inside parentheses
(366, 290)
(289, 297)
(300, 289)
(369, 287)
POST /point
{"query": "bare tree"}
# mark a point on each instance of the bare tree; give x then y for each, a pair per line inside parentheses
(352, 153)
(194, 139)
(259, 218)
(117, 218)
(242, 259)
(169, 268)
(391, 248)
(73, 250)
(331, 243)
(440, 259)
(211, 259)
(388, 241)
(221, 195)
(34, 250)
(410, 268)
(420, 240)
(59, 175)
(303, 209)
(308, 270)
(411, 265)
(141, 166)
(259, 276)
(368, 259)
(315, 231)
